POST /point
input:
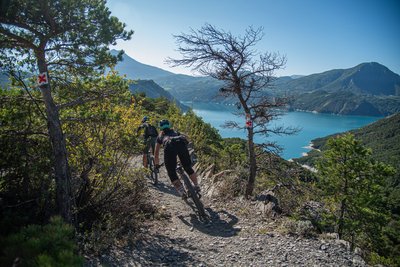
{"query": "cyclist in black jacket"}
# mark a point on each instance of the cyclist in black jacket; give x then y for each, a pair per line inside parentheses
(149, 137)
(175, 144)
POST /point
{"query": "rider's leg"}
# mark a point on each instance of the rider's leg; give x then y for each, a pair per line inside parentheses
(178, 187)
(146, 149)
(193, 177)
(184, 157)
(153, 144)
(170, 165)
(144, 160)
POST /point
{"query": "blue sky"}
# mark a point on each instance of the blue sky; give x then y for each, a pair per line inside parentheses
(315, 35)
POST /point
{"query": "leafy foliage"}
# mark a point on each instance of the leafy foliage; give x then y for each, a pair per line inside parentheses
(25, 166)
(383, 137)
(66, 40)
(34, 245)
(101, 138)
(76, 35)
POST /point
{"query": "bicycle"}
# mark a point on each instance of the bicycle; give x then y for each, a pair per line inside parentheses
(190, 191)
(153, 168)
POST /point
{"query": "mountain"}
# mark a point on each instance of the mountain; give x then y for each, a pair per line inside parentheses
(153, 90)
(366, 78)
(189, 88)
(368, 89)
(136, 70)
(345, 103)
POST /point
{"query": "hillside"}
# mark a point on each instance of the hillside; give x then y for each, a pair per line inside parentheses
(366, 78)
(382, 136)
(345, 103)
(189, 88)
(368, 89)
(153, 90)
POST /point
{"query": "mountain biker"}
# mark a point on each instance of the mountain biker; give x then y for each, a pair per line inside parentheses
(150, 135)
(175, 144)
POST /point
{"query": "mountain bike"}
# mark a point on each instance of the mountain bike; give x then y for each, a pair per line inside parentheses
(152, 166)
(190, 191)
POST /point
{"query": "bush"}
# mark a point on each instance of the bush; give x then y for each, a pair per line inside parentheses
(35, 245)
(232, 185)
(117, 216)
(298, 228)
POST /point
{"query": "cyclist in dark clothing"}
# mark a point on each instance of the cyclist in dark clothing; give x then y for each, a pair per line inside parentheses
(175, 144)
(149, 137)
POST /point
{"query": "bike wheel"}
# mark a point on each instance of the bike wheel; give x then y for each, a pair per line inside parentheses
(194, 196)
(150, 162)
(154, 170)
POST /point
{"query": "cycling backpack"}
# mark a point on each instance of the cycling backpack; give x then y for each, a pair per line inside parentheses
(151, 131)
(173, 137)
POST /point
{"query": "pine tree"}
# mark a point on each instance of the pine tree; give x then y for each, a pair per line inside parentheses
(353, 185)
(57, 40)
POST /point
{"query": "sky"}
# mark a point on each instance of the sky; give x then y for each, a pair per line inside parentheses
(314, 35)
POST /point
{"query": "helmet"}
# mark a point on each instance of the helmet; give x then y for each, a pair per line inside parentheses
(145, 118)
(164, 124)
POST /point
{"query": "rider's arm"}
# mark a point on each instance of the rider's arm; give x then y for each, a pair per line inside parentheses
(157, 154)
(139, 128)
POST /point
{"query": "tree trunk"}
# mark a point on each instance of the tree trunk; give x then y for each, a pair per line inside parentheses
(60, 160)
(252, 163)
(341, 218)
(343, 207)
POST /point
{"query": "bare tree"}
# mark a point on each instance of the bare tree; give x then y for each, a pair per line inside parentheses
(247, 76)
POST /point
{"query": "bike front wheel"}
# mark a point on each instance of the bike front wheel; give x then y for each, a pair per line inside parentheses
(194, 196)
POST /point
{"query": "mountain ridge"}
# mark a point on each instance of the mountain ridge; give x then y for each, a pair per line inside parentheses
(365, 78)
(135, 70)
(368, 89)
(153, 90)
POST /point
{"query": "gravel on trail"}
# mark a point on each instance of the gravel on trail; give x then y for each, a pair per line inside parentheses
(234, 235)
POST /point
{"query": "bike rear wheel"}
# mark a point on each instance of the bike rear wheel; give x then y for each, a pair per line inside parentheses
(194, 196)
(153, 170)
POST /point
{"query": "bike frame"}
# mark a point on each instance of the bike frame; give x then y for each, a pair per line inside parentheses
(190, 191)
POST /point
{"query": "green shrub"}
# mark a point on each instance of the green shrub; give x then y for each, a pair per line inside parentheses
(35, 245)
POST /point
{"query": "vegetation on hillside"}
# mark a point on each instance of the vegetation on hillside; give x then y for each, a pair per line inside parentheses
(382, 138)
(353, 188)
(346, 103)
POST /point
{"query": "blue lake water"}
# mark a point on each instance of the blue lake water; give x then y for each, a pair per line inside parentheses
(312, 125)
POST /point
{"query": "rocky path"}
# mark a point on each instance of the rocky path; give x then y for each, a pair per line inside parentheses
(234, 235)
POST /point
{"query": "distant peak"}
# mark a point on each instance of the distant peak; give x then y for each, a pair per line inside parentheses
(372, 64)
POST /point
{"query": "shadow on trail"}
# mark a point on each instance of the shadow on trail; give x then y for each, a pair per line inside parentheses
(220, 223)
(162, 250)
(165, 188)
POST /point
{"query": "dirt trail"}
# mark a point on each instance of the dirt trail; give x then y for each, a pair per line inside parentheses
(234, 235)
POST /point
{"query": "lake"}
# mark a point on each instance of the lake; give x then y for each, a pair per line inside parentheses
(313, 125)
